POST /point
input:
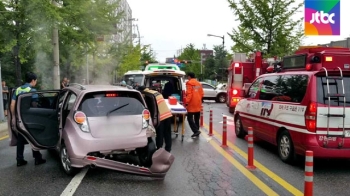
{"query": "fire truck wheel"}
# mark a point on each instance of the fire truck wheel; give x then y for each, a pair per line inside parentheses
(240, 132)
(221, 98)
(285, 147)
(232, 110)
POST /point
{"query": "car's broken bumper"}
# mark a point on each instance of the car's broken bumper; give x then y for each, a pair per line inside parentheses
(161, 163)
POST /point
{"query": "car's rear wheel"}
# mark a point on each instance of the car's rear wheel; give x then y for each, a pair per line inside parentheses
(221, 98)
(66, 162)
(285, 147)
(146, 153)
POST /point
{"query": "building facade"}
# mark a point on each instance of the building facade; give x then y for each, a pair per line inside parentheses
(124, 28)
(205, 54)
(341, 43)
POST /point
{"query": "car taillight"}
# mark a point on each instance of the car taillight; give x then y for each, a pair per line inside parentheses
(80, 118)
(146, 115)
(234, 92)
(310, 117)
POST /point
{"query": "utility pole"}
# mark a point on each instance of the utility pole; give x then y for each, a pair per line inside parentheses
(56, 59)
(56, 54)
(87, 66)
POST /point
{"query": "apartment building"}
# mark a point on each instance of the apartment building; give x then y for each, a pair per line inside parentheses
(123, 31)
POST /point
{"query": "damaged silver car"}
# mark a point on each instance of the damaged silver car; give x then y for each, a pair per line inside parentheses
(103, 126)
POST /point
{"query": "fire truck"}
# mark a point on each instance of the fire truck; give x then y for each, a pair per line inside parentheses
(241, 74)
(243, 71)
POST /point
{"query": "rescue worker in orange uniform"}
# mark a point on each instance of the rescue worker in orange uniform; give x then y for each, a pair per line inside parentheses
(194, 95)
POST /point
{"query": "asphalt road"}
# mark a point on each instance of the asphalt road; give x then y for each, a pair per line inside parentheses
(201, 167)
(330, 176)
(198, 170)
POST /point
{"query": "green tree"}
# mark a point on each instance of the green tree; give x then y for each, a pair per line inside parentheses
(215, 66)
(190, 53)
(147, 54)
(25, 37)
(266, 25)
(131, 60)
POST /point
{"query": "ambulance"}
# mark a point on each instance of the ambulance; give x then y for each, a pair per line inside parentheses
(301, 103)
(162, 72)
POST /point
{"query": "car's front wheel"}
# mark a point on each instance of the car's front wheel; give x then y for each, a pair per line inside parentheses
(239, 130)
(66, 162)
(221, 98)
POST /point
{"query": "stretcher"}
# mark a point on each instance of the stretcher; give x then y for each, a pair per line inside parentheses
(178, 110)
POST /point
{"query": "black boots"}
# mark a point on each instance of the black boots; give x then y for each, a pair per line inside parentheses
(21, 162)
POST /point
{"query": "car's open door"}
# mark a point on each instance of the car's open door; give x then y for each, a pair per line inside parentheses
(37, 118)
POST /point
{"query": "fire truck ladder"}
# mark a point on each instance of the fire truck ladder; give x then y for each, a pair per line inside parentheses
(336, 95)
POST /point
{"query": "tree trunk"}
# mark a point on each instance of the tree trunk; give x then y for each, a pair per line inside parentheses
(16, 54)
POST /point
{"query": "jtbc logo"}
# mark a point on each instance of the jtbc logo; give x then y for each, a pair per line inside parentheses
(316, 17)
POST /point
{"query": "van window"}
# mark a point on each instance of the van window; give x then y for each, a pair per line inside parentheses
(133, 79)
(254, 88)
(335, 86)
(286, 88)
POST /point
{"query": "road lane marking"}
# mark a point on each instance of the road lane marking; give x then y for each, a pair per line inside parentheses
(5, 137)
(74, 183)
(227, 122)
(261, 167)
(255, 180)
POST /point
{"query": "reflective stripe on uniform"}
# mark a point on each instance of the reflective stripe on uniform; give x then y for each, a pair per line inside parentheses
(21, 90)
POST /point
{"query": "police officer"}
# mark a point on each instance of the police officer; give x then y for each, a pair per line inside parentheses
(31, 80)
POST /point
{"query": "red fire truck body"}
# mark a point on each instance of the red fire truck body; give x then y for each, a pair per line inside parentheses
(241, 74)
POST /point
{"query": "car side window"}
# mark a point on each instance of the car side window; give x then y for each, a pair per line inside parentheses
(44, 100)
(289, 88)
(70, 101)
(205, 86)
(269, 88)
(254, 88)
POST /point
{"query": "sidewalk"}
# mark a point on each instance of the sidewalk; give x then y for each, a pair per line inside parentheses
(3, 129)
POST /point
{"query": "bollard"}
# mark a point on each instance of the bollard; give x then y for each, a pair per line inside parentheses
(201, 118)
(309, 173)
(250, 149)
(224, 132)
(211, 123)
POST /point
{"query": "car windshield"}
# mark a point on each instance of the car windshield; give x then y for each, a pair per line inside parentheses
(111, 104)
(133, 79)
